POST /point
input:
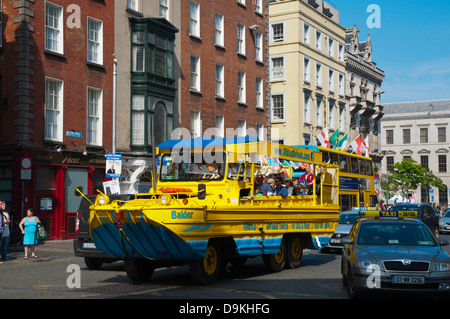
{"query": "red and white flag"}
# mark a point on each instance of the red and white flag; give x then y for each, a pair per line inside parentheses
(360, 147)
(366, 145)
(323, 138)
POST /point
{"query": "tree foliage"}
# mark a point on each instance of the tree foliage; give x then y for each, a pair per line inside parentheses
(408, 174)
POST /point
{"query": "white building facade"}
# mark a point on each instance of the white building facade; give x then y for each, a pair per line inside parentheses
(419, 130)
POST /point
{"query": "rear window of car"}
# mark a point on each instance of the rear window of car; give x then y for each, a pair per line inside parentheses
(395, 233)
(348, 219)
(408, 208)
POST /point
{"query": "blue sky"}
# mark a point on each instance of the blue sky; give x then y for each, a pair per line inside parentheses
(412, 46)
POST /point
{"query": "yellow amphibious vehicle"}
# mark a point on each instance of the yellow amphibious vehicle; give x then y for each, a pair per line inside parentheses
(204, 210)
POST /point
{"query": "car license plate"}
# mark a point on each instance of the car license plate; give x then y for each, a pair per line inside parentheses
(89, 245)
(335, 241)
(408, 280)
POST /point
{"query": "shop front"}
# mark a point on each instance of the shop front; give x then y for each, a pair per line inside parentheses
(48, 185)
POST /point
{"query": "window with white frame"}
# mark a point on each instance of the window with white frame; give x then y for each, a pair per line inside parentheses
(138, 120)
(341, 88)
(133, 5)
(242, 128)
(331, 46)
(241, 39)
(241, 87)
(259, 93)
(318, 40)
(319, 112)
(258, 6)
(277, 103)
(277, 32)
(219, 34)
(331, 114)
(194, 19)
(195, 73)
(331, 80)
(259, 47)
(196, 124)
(260, 132)
(53, 110)
(220, 89)
(306, 70)
(54, 28)
(277, 68)
(342, 116)
(94, 116)
(220, 126)
(319, 82)
(164, 9)
(307, 108)
(306, 33)
(341, 52)
(95, 41)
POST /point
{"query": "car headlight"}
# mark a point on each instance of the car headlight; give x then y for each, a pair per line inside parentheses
(365, 264)
(441, 267)
(442, 223)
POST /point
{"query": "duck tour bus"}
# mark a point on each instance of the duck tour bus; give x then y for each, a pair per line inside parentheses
(205, 209)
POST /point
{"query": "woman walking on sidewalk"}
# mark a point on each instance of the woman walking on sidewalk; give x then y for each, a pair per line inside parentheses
(30, 232)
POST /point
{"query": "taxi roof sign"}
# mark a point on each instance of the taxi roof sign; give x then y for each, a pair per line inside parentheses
(385, 213)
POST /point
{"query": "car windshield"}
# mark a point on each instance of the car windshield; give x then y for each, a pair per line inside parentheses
(407, 208)
(446, 213)
(395, 233)
(348, 219)
(191, 167)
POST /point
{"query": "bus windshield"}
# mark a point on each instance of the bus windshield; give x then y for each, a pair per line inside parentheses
(191, 168)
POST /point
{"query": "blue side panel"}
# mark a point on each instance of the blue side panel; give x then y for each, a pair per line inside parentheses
(146, 241)
(258, 246)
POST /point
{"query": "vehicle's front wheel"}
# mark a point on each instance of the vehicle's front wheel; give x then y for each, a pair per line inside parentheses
(206, 270)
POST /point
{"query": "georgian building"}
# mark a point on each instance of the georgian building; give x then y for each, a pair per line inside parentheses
(56, 69)
(419, 130)
(307, 70)
(187, 68)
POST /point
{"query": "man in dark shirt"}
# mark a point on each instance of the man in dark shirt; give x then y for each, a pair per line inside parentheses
(264, 188)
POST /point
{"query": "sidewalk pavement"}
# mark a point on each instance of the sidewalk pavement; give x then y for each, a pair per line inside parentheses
(49, 250)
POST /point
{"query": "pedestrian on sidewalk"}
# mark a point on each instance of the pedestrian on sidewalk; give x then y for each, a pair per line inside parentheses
(5, 237)
(30, 233)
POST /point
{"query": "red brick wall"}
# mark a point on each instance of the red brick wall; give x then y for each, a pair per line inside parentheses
(210, 55)
(72, 68)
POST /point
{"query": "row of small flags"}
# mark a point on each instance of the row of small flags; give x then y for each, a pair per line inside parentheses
(361, 147)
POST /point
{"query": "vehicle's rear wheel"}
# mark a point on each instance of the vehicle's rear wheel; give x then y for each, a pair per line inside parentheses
(294, 252)
(138, 269)
(206, 270)
(276, 262)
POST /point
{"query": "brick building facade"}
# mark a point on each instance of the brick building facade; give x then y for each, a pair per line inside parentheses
(223, 67)
(56, 105)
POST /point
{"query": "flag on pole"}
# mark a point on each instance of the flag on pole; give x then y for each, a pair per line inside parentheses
(342, 143)
(366, 146)
(334, 139)
(359, 146)
(323, 138)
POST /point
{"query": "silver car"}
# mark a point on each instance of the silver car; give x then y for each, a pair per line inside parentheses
(400, 255)
(345, 224)
(444, 222)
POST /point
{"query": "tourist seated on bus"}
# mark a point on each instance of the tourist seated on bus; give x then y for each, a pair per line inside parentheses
(264, 188)
(292, 190)
(303, 189)
(279, 189)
